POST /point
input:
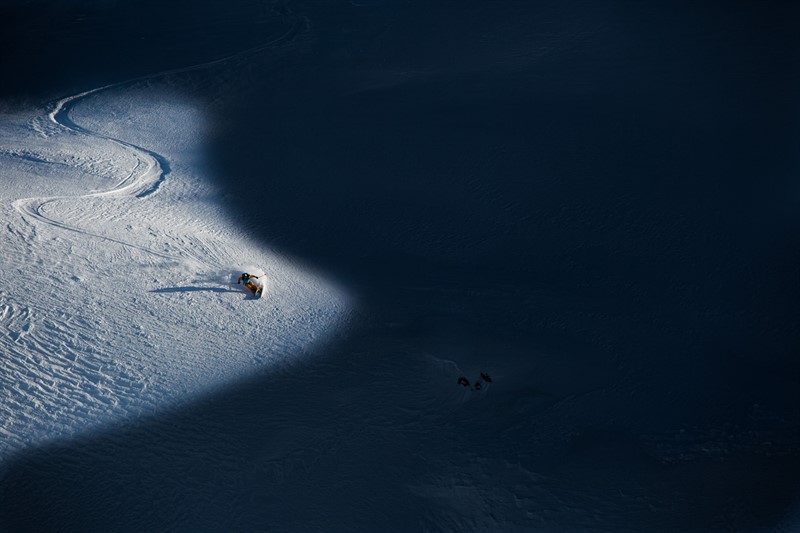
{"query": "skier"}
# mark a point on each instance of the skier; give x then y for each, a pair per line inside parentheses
(257, 287)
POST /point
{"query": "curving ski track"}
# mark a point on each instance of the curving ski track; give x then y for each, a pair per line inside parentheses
(151, 168)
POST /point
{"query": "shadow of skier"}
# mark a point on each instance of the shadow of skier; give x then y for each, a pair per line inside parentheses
(192, 289)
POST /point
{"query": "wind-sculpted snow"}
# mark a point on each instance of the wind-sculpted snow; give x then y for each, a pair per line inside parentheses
(551, 194)
(118, 273)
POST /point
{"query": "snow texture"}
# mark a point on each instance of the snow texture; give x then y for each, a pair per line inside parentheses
(595, 203)
(119, 295)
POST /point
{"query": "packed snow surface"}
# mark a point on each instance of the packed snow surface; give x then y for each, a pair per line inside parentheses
(118, 292)
(594, 203)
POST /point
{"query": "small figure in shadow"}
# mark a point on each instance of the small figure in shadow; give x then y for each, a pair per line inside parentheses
(479, 383)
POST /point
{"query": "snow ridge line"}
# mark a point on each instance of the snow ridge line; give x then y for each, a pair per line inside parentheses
(156, 166)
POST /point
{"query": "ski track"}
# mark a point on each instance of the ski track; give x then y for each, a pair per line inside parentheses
(84, 358)
(151, 168)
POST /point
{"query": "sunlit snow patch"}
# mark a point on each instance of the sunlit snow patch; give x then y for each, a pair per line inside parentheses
(114, 304)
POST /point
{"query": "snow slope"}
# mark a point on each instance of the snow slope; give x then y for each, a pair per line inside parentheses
(118, 269)
(552, 193)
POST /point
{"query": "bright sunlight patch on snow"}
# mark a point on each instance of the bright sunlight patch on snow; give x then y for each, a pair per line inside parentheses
(118, 294)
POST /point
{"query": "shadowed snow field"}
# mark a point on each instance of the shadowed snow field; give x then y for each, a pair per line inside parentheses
(595, 203)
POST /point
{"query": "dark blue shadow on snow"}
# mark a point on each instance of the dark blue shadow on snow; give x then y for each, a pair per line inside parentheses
(193, 289)
(596, 201)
